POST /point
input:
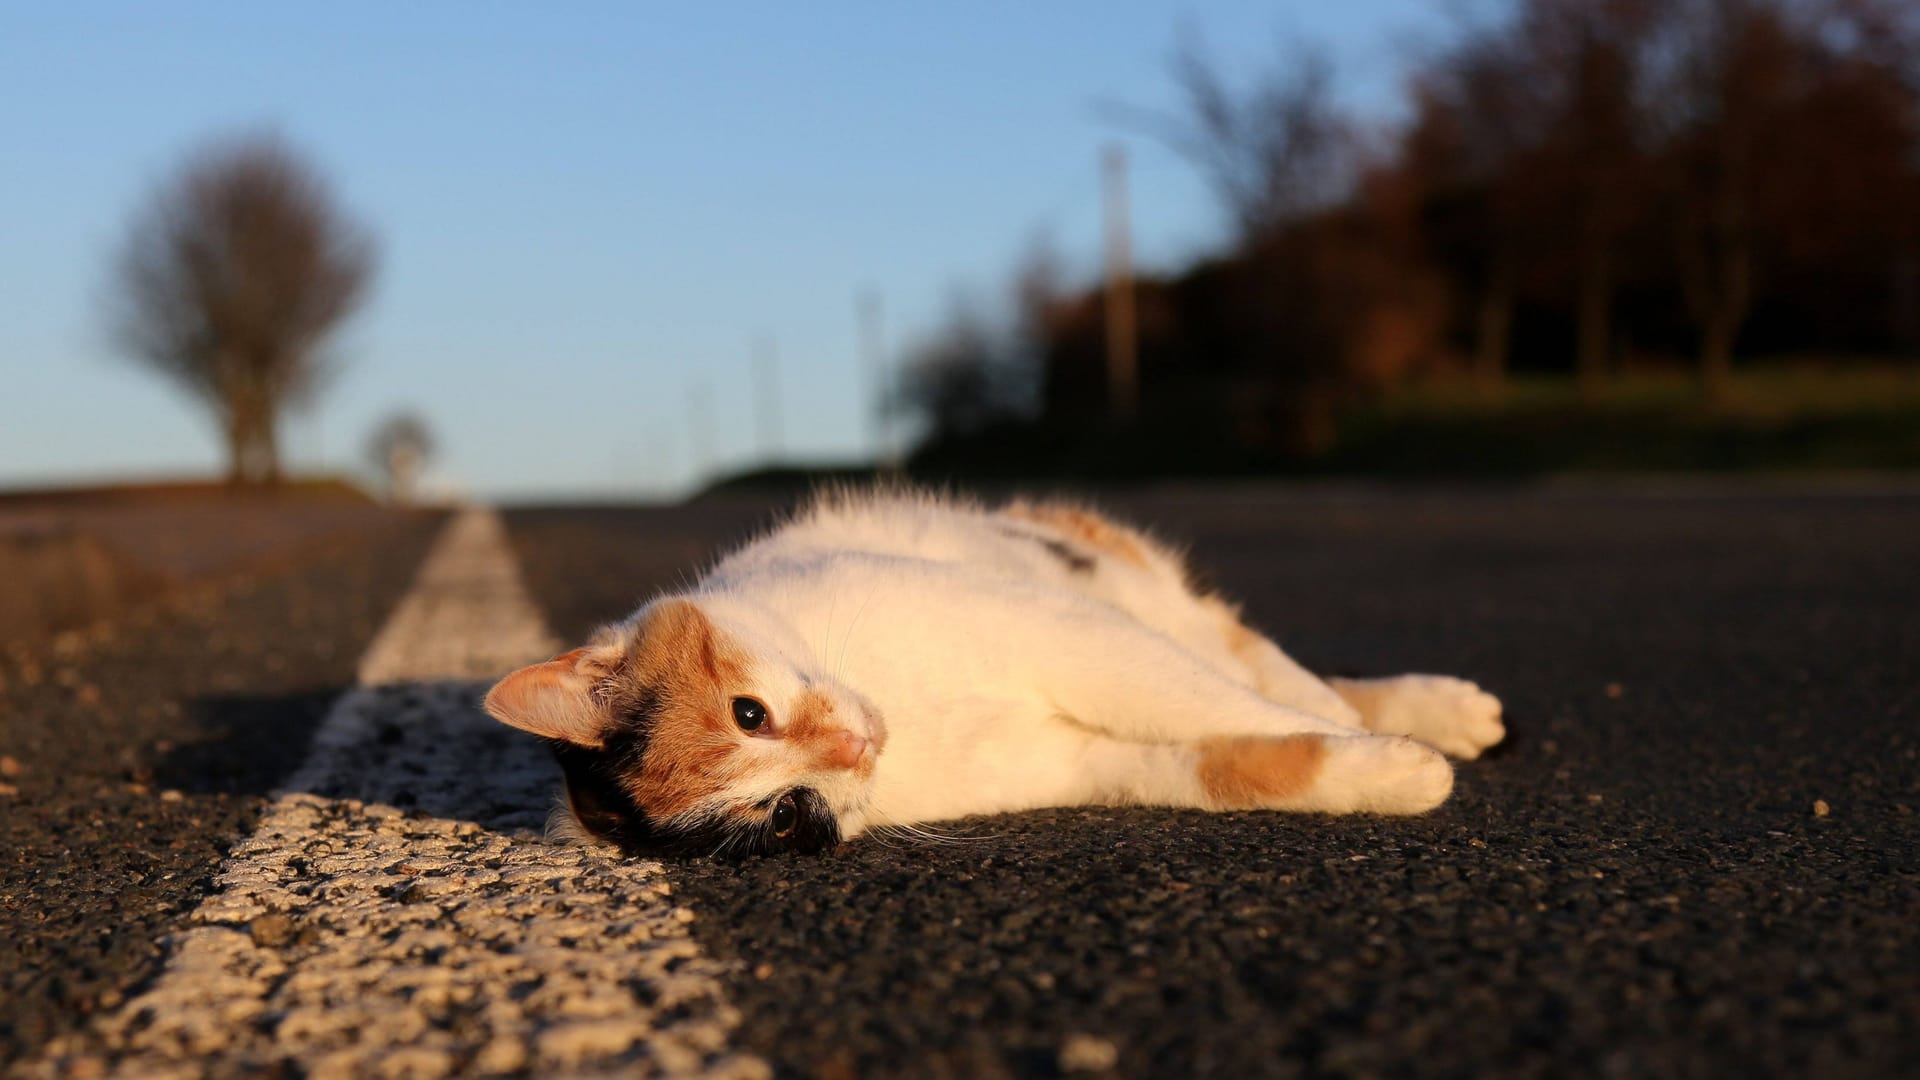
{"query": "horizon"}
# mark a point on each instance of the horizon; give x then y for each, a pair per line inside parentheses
(576, 287)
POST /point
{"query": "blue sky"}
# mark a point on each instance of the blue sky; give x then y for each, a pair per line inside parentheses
(584, 209)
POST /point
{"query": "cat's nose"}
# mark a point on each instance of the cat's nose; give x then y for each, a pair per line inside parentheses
(846, 750)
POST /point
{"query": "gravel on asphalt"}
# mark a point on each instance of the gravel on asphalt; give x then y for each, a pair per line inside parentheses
(135, 751)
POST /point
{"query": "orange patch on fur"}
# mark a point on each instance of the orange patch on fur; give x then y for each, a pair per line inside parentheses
(809, 718)
(811, 728)
(1085, 526)
(683, 768)
(1246, 772)
(691, 670)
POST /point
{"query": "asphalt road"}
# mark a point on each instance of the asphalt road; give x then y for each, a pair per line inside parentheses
(1638, 883)
(134, 754)
(74, 558)
(1642, 882)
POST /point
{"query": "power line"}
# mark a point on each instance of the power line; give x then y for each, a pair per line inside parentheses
(700, 428)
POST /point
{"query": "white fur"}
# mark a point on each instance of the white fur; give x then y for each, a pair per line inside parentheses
(991, 677)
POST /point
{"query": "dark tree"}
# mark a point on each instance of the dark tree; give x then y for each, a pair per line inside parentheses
(984, 366)
(399, 448)
(969, 375)
(230, 283)
(1733, 155)
(1296, 309)
(1481, 114)
(1728, 92)
(1591, 168)
(1276, 151)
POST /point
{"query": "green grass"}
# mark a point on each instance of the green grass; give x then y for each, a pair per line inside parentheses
(1782, 389)
(1787, 417)
(1779, 417)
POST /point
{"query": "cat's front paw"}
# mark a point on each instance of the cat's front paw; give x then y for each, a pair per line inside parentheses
(1454, 716)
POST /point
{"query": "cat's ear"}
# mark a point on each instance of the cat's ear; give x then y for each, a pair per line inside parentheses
(555, 700)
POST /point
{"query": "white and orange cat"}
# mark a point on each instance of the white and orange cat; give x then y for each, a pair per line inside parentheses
(892, 658)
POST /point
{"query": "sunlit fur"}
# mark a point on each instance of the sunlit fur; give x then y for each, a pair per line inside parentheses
(924, 658)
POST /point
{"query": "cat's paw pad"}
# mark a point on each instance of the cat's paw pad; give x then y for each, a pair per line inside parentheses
(1454, 716)
(1382, 774)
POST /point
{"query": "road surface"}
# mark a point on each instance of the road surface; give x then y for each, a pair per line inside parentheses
(1697, 854)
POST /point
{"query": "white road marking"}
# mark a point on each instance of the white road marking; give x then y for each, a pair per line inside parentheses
(396, 912)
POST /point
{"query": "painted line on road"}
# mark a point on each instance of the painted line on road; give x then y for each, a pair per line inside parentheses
(397, 913)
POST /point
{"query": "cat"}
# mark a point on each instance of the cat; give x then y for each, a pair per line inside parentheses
(884, 659)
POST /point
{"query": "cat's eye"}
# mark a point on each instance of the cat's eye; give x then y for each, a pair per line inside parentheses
(785, 816)
(748, 713)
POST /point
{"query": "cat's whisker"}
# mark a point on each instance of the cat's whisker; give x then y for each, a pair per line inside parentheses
(949, 838)
(929, 835)
(826, 630)
(881, 837)
(840, 662)
(733, 838)
(927, 839)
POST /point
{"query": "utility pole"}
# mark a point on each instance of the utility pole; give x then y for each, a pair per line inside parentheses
(659, 463)
(1123, 361)
(879, 386)
(700, 428)
(766, 398)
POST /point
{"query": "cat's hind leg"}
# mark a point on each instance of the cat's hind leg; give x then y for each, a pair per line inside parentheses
(1277, 676)
(1310, 773)
(1113, 675)
(1156, 585)
(1452, 715)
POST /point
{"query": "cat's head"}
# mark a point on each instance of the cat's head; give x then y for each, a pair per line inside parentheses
(693, 729)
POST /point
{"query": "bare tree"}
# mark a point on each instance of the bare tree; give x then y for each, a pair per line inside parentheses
(229, 284)
(1732, 151)
(1592, 58)
(1275, 151)
(1037, 293)
(1730, 85)
(399, 448)
(1285, 161)
(965, 377)
(985, 364)
(1481, 114)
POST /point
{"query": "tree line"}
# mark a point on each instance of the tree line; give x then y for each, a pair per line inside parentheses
(1583, 186)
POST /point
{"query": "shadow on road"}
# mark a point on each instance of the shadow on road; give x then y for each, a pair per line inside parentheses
(249, 743)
